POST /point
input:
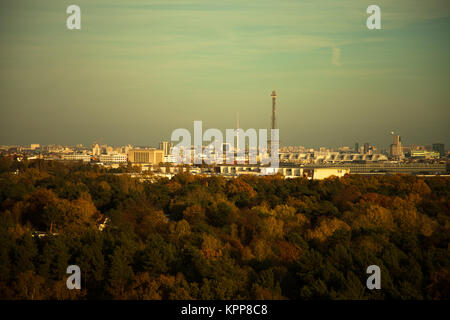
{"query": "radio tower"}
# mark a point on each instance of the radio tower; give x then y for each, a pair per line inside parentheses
(274, 102)
(274, 120)
(237, 132)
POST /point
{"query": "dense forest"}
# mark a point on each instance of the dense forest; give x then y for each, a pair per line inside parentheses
(195, 237)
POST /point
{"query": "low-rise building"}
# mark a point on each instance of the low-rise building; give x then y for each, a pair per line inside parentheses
(423, 154)
(113, 158)
(287, 171)
(329, 157)
(75, 157)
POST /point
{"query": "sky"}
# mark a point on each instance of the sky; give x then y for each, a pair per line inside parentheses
(139, 69)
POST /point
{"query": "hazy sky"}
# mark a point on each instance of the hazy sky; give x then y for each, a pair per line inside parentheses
(139, 69)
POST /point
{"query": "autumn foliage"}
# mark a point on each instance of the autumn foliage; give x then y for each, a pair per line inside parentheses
(195, 237)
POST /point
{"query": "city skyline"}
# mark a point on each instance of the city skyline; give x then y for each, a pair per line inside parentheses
(219, 159)
(307, 148)
(138, 70)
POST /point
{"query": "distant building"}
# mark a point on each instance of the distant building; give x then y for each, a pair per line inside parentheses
(35, 146)
(96, 150)
(126, 149)
(316, 173)
(113, 158)
(344, 149)
(424, 154)
(76, 157)
(396, 150)
(166, 147)
(406, 150)
(226, 147)
(329, 157)
(420, 147)
(356, 147)
(323, 173)
(439, 147)
(145, 156)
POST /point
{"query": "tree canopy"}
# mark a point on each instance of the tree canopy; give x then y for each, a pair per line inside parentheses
(196, 237)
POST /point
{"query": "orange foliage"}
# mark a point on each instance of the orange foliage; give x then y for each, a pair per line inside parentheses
(288, 251)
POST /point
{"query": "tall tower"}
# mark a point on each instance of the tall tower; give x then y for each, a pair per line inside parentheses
(271, 142)
(274, 103)
(237, 132)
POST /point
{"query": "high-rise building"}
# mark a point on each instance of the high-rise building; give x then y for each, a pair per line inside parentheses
(357, 147)
(439, 147)
(165, 146)
(396, 151)
(366, 147)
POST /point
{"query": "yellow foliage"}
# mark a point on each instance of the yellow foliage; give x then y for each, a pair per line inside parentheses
(370, 245)
(30, 286)
(247, 254)
(427, 225)
(180, 229)
(406, 219)
(61, 292)
(326, 228)
(420, 187)
(375, 216)
(272, 227)
(302, 220)
(145, 288)
(262, 210)
(211, 247)
(239, 186)
(284, 211)
(261, 249)
(194, 213)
